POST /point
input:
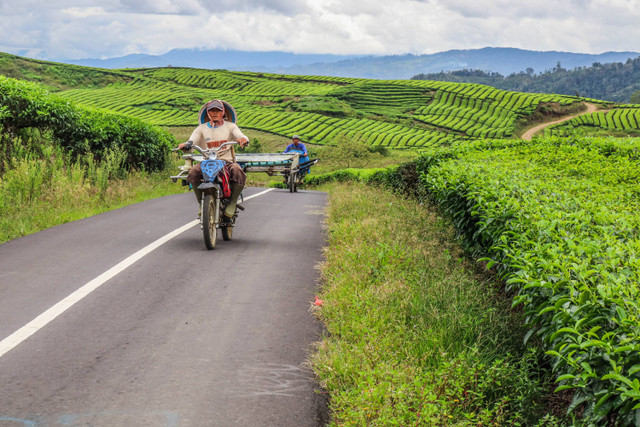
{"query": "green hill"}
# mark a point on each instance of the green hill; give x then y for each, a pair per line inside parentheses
(58, 76)
(391, 113)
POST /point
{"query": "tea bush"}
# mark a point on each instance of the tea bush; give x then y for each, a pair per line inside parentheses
(81, 130)
(559, 219)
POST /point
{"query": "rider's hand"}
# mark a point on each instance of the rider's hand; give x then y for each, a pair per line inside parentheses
(243, 142)
(181, 146)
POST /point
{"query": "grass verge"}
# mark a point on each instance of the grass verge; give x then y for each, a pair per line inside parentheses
(414, 337)
(41, 191)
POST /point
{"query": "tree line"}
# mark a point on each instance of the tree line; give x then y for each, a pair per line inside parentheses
(616, 81)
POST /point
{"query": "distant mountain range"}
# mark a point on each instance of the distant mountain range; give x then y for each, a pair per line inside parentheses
(501, 60)
(233, 60)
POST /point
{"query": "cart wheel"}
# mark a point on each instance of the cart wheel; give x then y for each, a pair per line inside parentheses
(292, 182)
(209, 221)
(227, 232)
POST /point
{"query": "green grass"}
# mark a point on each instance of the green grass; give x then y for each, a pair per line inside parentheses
(42, 190)
(569, 131)
(413, 336)
(621, 122)
(59, 76)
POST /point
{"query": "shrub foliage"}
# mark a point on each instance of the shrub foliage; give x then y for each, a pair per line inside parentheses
(81, 130)
(558, 220)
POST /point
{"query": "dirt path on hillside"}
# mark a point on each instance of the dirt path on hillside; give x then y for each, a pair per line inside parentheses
(591, 108)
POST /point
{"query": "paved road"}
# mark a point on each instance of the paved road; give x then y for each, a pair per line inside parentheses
(182, 337)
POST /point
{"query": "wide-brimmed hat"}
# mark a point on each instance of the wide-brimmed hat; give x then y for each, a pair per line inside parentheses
(230, 114)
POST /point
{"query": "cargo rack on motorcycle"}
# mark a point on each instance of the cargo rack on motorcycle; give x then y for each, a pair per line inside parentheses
(292, 166)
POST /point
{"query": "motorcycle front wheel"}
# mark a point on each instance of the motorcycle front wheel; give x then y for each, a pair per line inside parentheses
(209, 221)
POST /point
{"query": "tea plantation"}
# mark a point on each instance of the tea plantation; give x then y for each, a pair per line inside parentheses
(389, 113)
(557, 219)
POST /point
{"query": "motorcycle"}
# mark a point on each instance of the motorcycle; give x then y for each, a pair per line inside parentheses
(216, 191)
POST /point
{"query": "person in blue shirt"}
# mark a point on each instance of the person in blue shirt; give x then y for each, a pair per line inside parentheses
(296, 144)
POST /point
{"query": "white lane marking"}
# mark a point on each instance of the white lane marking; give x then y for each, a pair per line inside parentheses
(258, 194)
(43, 319)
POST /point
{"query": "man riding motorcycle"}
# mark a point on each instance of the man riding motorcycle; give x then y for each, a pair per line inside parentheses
(213, 131)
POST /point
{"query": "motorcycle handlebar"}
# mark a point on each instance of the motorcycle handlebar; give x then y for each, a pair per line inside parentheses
(189, 145)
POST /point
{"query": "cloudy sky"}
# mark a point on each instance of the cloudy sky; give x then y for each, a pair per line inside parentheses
(74, 29)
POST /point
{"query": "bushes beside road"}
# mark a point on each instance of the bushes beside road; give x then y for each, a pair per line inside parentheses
(60, 162)
(26, 106)
(558, 220)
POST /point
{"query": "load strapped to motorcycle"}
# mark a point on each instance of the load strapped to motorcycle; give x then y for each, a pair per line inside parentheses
(215, 187)
(292, 165)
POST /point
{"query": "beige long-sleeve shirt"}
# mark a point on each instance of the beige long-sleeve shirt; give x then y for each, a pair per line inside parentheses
(206, 136)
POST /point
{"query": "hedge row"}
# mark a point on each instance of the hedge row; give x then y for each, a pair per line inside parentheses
(560, 222)
(81, 130)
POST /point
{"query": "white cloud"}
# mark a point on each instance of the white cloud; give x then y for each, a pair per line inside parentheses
(84, 12)
(100, 28)
(160, 7)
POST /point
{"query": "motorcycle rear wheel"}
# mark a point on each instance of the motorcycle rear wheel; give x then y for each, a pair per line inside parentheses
(292, 182)
(227, 233)
(209, 221)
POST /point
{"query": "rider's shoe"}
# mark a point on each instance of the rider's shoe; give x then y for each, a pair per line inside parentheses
(226, 220)
(198, 194)
(230, 208)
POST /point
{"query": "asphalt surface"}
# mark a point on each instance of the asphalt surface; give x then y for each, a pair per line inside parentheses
(181, 337)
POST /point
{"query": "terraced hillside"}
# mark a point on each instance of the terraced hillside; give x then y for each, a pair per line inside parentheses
(393, 113)
(388, 113)
(622, 120)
